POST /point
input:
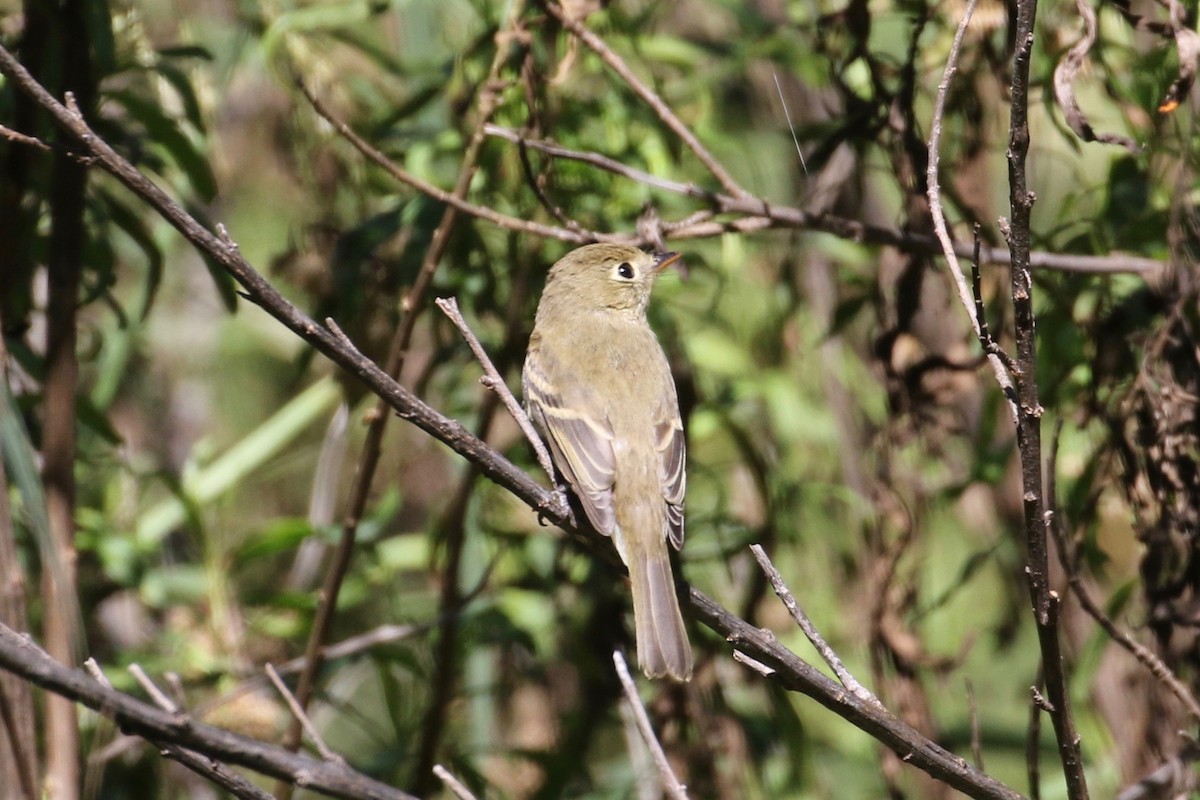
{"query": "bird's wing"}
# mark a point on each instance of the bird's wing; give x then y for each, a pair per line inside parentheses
(668, 428)
(578, 431)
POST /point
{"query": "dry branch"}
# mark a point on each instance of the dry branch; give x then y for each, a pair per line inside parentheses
(1045, 602)
(649, 96)
(1064, 85)
(759, 214)
(822, 647)
(21, 656)
(671, 785)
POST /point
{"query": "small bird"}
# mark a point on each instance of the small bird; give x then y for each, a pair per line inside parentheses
(598, 387)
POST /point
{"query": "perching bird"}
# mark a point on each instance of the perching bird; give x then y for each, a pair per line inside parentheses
(598, 387)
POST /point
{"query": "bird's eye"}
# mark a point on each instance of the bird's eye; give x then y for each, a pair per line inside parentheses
(625, 270)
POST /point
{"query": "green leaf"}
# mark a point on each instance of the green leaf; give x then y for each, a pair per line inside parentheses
(134, 226)
(165, 134)
(281, 536)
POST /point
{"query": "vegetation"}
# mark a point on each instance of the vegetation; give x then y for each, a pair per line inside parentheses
(183, 473)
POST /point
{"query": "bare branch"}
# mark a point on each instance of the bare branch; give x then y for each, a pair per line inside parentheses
(18, 654)
(973, 309)
(976, 743)
(1037, 517)
(759, 667)
(818, 641)
(1144, 655)
(495, 382)
(25, 139)
(671, 784)
(648, 95)
(151, 688)
(761, 215)
(1175, 777)
(424, 187)
(452, 783)
(203, 766)
(302, 717)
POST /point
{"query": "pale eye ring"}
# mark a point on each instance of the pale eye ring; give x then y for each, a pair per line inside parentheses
(625, 270)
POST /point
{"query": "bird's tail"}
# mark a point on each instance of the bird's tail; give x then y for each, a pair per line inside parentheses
(662, 642)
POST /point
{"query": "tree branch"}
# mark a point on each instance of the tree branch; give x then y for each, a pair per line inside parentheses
(671, 785)
(759, 214)
(1045, 602)
(21, 656)
(648, 95)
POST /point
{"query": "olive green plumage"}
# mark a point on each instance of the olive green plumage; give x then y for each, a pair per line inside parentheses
(598, 387)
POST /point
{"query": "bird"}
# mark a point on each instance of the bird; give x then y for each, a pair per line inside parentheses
(598, 388)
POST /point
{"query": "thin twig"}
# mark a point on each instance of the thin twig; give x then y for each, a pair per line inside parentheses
(1033, 741)
(990, 345)
(759, 667)
(495, 382)
(151, 688)
(452, 783)
(760, 215)
(1068, 559)
(788, 116)
(645, 775)
(671, 784)
(397, 355)
(976, 742)
(822, 647)
(1144, 655)
(19, 655)
(202, 765)
(302, 717)
(424, 187)
(973, 309)
(22, 138)
(532, 178)
(648, 95)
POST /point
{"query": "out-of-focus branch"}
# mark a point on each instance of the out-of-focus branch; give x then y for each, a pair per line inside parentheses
(18, 721)
(790, 671)
(758, 214)
(648, 95)
(437, 193)
(969, 303)
(1069, 561)
(21, 656)
(446, 668)
(674, 789)
(1064, 85)
(456, 787)
(65, 34)
(397, 356)
(203, 766)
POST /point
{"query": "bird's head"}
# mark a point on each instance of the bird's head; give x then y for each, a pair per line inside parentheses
(612, 276)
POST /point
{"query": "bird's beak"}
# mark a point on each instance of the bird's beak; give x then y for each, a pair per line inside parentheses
(664, 260)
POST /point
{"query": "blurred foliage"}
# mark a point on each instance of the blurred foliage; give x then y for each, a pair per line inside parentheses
(835, 407)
